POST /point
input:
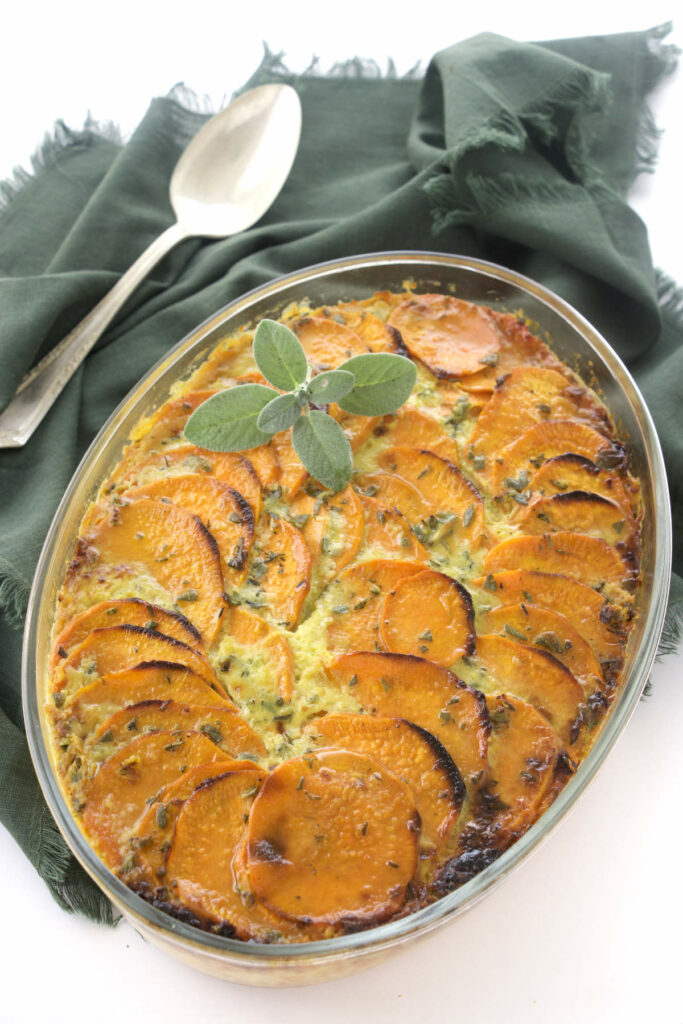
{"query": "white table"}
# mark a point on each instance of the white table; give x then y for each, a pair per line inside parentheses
(588, 929)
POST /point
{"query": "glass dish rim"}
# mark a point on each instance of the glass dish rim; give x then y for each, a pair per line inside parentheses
(451, 905)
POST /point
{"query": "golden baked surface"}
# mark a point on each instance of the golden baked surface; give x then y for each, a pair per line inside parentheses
(283, 714)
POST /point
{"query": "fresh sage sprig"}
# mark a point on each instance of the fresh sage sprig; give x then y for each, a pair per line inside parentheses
(248, 415)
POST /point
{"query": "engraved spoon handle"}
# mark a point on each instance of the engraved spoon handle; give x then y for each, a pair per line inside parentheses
(42, 385)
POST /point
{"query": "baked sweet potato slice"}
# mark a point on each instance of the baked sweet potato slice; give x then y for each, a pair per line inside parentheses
(588, 559)
(333, 838)
(570, 472)
(544, 441)
(144, 867)
(332, 526)
(403, 686)
(357, 601)
(542, 627)
(202, 871)
(231, 468)
(358, 429)
(254, 634)
(410, 752)
(429, 615)
(165, 542)
(326, 342)
(442, 486)
(129, 611)
(154, 680)
(116, 798)
(77, 717)
(529, 395)
(375, 333)
(225, 513)
(280, 570)
(395, 492)
(523, 751)
(536, 677)
(112, 648)
(591, 615)
(387, 531)
(292, 473)
(451, 337)
(222, 725)
(517, 345)
(414, 429)
(579, 512)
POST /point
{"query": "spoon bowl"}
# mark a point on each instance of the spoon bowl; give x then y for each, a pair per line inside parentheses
(234, 168)
(225, 180)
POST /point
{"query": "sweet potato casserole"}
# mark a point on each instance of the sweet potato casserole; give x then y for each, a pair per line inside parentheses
(283, 714)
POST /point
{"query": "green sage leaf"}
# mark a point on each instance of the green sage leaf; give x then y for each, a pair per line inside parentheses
(383, 383)
(279, 355)
(226, 422)
(330, 386)
(280, 414)
(324, 449)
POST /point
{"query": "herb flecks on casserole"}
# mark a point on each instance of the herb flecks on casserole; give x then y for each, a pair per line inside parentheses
(283, 713)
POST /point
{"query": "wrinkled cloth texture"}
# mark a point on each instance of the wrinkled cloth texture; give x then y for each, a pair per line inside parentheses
(518, 153)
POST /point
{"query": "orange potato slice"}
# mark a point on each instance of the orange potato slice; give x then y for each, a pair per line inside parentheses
(517, 345)
(225, 513)
(202, 870)
(358, 601)
(414, 429)
(130, 611)
(116, 798)
(546, 440)
(542, 627)
(330, 524)
(326, 342)
(429, 615)
(571, 472)
(155, 680)
(536, 677)
(523, 753)
(222, 725)
(403, 686)
(588, 559)
(395, 492)
(530, 395)
(168, 544)
(280, 569)
(442, 486)
(112, 648)
(580, 512)
(144, 866)
(451, 337)
(376, 334)
(251, 631)
(408, 751)
(292, 473)
(232, 468)
(357, 428)
(591, 615)
(387, 530)
(332, 838)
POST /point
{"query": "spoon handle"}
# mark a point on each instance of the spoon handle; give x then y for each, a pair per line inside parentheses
(41, 386)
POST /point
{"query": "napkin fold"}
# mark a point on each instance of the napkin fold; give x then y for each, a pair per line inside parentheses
(519, 153)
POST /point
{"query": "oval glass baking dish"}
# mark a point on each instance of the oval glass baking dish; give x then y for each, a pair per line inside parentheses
(575, 342)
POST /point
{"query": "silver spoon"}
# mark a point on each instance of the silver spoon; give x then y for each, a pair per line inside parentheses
(226, 179)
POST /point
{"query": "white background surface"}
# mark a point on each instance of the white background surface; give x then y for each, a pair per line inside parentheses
(588, 930)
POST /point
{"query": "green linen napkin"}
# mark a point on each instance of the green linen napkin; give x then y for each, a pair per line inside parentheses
(513, 152)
